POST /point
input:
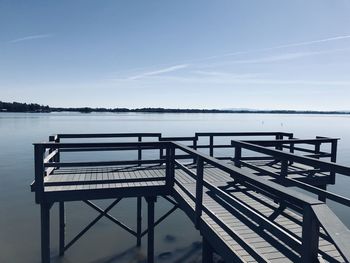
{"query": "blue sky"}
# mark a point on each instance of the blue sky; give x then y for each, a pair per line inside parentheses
(177, 54)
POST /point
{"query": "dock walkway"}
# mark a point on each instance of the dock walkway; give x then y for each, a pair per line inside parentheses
(242, 205)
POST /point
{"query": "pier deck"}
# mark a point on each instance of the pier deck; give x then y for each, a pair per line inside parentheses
(242, 206)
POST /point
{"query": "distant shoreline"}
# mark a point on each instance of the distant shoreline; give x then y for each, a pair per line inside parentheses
(36, 108)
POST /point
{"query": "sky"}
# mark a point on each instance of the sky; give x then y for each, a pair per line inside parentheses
(271, 54)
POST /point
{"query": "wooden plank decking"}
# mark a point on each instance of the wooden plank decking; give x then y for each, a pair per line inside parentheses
(269, 246)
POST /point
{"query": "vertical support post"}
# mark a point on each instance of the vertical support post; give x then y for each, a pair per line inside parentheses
(150, 234)
(334, 146)
(317, 149)
(211, 145)
(199, 191)
(161, 149)
(51, 139)
(195, 139)
(139, 151)
(39, 172)
(45, 232)
(284, 168)
(291, 150)
(207, 252)
(278, 137)
(170, 165)
(238, 156)
(291, 147)
(310, 236)
(62, 226)
(57, 160)
(322, 197)
(139, 221)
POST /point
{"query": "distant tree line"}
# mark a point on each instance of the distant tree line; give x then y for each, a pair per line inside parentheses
(23, 107)
(33, 107)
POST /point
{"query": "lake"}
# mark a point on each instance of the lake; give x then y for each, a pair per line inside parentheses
(20, 221)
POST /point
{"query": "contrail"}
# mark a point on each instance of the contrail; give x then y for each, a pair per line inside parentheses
(30, 38)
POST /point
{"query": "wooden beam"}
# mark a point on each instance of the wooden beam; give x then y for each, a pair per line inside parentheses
(150, 236)
(207, 252)
(139, 221)
(62, 225)
(45, 232)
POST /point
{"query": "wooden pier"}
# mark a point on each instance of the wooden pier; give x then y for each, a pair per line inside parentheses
(240, 190)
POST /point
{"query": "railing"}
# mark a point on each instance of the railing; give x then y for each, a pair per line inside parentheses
(309, 207)
(285, 158)
(47, 160)
(212, 135)
(316, 143)
(194, 140)
(138, 136)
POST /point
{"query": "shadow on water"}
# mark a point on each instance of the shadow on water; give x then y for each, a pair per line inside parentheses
(189, 254)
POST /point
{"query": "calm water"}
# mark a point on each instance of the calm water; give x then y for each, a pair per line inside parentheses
(19, 218)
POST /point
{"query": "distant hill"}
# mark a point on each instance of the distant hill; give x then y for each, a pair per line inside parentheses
(34, 107)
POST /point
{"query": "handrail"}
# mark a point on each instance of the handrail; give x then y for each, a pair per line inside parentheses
(212, 135)
(320, 192)
(334, 228)
(65, 145)
(292, 141)
(180, 138)
(307, 247)
(102, 163)
(288, 194)
(105, 135)
(243, 134)
(324, 165)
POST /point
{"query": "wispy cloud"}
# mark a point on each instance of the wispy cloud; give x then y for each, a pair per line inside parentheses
(296, 44)
(227, 79)
(307, 43)
(217, 60)
(32, 37)
(159, 71)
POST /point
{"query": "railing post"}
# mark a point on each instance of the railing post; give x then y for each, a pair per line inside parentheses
(284, 168)
(139, 151)
(195, 147)
(317, 149)
(322, 197)
(170, 165)
(161, 149)
(57, 158)
(39, 172)
(334, 146)
(211, 145)
(238, 156)
(199, 191)
(310, 236)
(278, 137)
(54, 139)
(291, 150)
